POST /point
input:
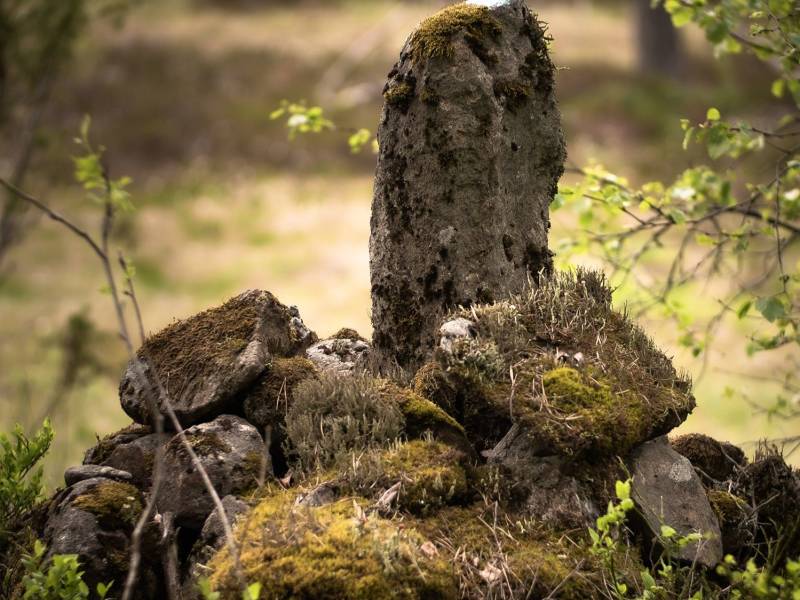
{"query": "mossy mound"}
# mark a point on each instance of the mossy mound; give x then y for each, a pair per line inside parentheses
(423, 416)
(733, 516)
(116, 505)
(580, 377)
(331, 552)
(434, 36)
(715, 461)
(431, 475)
(267, 402)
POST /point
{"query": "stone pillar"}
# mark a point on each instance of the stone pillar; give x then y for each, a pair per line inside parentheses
(471, 151)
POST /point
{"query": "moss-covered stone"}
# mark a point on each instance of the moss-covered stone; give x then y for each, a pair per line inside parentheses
(732, 514)
(101, 452)
(715, 461)
(267, 402)
(203, 443)
(422, 416)
(346, 333)
(433, 38)
(115, 504)
(330, 552)
(580, 377)
(431, 382)
(431, 475)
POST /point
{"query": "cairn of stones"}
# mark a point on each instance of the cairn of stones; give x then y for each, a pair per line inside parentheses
(467, 449)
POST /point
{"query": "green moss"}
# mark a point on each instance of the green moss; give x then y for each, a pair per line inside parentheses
(431, 381)
(189, 349)
(268, 400)
(434, 37)
(345, 333)
(399, 95)
(330, 552)
(115, 504)
(430, 97)
(533, 560)
(422, 416)
(730, 509)
(513, 93)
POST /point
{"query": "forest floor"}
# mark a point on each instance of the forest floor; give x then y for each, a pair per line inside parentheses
(181, 97)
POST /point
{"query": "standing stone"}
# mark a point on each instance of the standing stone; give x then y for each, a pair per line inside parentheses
(471, 150)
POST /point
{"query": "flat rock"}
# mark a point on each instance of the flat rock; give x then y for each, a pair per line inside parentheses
(667, 491)
(232, 453)
(471, 151)
(75, 474)
(205, 361)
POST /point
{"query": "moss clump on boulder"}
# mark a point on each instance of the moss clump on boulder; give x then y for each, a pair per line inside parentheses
(115, 504)
(431, 381)
(425, 474)
(580, 377)
(732, 513)
(267, 402)
(715, 461)
(433, 38)
(331, 552)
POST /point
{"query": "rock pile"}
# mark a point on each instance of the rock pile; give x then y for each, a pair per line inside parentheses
(476, 471)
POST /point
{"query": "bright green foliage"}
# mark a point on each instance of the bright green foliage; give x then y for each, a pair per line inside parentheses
(20, 478)
(756, 583)
(92, 175)
(606, 538)
(736, 221)
(301, 118)
(61, 580)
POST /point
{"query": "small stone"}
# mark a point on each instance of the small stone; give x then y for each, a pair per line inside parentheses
(232, 453)
(667, 491)
(321, 495)
(204, 362)
(340, 355)
(455, 330)
(75, 474)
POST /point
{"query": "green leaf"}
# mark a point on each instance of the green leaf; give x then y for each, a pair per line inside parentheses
(713, 114)
(668, 532)
(771, 308)
(778, 86)
(744, 309)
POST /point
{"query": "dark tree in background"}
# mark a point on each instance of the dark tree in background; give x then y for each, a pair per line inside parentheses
(659, 44)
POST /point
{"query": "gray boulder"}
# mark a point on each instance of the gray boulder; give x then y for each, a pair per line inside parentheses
(471, 151)
(94, 519)
(232, 453)
(668, 491)
(542, 485)
(205, 361)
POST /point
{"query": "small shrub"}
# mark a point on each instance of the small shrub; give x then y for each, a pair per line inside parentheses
(334, 416)
(20, 478)
(61, 580)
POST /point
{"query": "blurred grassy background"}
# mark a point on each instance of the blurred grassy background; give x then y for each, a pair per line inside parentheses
(181, 94)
